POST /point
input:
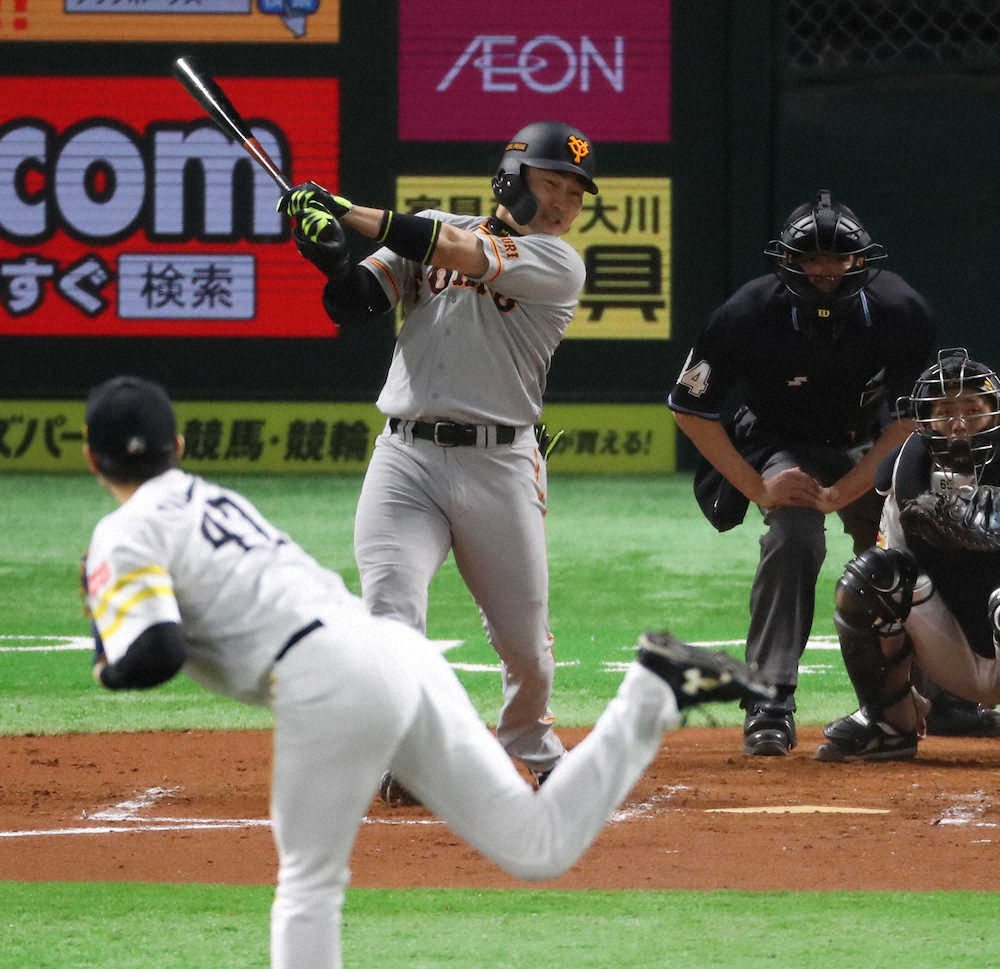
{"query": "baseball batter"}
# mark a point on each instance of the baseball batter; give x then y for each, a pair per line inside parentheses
(187, 575)
(919, 594)
(457, 468)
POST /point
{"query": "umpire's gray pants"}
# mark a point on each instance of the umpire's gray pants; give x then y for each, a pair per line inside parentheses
(792, 550)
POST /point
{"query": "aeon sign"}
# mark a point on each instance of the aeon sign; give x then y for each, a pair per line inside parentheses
(607, 72)
(545, 63)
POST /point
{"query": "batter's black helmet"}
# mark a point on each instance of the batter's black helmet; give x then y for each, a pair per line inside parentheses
(962, 440)
(544, 144)
(829, 228)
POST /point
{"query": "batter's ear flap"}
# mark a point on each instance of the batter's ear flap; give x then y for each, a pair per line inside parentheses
(512, 193)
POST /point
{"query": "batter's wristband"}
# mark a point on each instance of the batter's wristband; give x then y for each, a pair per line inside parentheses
(412, 236)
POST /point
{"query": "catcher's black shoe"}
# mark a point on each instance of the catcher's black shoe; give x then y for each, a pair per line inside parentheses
(394, 794)
(699, 675)
(951, 716)
(856, 737)
(768, 731)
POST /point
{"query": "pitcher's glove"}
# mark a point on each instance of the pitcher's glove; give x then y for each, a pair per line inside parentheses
(955, 521)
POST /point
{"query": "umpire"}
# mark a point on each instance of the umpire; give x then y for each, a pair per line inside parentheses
(816, 354)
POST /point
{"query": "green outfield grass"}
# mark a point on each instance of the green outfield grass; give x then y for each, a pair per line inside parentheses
(627, 553)
(112, 926)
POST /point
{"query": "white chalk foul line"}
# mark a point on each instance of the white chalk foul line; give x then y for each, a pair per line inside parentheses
(128, 810)
(189, 825)
(48, 644)
(798, 809)
(150, 825)
(126, 819)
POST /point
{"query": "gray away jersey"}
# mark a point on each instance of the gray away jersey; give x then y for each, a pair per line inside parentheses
(184, 550)
(478, 350)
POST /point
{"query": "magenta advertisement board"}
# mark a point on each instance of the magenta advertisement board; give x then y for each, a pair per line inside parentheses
(478, 72)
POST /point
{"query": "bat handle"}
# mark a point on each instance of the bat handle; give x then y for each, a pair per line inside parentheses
(264, 160)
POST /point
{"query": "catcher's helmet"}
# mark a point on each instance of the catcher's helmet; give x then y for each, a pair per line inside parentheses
(956, 407)
(824, 227)
(544, 144)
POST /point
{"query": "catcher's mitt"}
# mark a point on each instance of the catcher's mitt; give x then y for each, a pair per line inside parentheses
(969, 521)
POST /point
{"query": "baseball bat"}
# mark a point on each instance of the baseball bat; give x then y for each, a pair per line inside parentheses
(220, 109)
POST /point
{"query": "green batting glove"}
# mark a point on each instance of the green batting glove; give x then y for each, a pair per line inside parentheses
(311, 195)
(315, 222)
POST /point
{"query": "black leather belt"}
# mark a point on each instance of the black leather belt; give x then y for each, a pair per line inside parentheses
(447, 434)
(297, 636)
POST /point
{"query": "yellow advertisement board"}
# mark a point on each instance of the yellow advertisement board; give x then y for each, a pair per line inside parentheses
(611, 438)
(622, 234)
(323, 437)
(235, 21)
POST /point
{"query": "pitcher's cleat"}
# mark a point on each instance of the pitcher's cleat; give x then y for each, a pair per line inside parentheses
(698, 675)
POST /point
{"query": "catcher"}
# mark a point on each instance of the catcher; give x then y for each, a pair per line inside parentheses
(930, 590)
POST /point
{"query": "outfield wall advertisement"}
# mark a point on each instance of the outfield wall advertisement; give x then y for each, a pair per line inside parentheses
(125, 212)
(237, 21)
(323, 437)
(467, 70)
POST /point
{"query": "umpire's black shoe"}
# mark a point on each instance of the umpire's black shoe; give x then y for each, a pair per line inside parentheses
(951, 716)
(699, 675)
(768, 731)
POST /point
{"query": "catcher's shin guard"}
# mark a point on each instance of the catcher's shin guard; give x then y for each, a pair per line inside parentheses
(873, 599)
(868, 668)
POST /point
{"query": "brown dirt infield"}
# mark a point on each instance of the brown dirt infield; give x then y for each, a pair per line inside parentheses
(940, 828)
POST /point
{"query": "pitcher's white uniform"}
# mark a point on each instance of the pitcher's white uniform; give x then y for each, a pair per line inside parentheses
(472, 351)
(351, 695)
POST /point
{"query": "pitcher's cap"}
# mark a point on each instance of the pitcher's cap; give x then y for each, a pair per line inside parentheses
(129, 419)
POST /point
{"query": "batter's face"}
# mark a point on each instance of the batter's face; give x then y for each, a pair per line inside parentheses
(560, 199)
(825, 270)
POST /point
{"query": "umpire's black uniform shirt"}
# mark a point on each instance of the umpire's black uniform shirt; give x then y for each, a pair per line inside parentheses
(815, 388)
(806, 378)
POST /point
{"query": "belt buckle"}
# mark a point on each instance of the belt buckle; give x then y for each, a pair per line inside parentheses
(436, 432)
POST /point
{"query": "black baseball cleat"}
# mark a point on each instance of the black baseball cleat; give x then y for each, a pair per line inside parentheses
(394, 794)
(698, 675)
(858, 737)
(539, 777)
(768, 731)
(951, 716)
